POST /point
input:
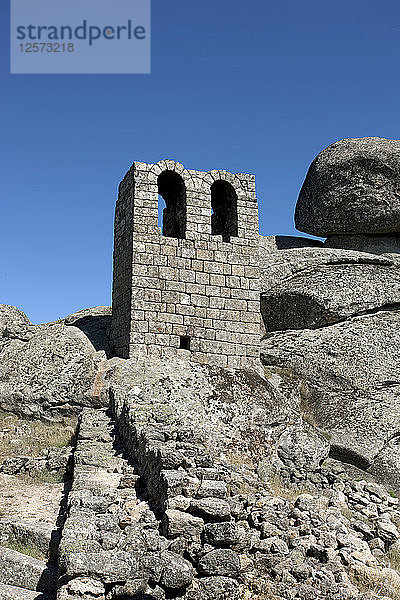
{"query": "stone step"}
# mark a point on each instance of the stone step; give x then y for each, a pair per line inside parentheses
(23, 571)
(42, 537)
(11, 592)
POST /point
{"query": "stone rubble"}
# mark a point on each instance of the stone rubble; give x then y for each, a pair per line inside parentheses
(50, 460)
(151, 514)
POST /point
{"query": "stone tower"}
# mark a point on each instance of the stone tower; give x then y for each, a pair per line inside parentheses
(194, 286)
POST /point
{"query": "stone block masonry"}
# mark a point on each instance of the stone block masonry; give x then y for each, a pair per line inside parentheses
(194, 286)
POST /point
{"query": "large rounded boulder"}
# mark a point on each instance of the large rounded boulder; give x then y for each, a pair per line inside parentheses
(46, 371)
(352, 187)
(95, 323)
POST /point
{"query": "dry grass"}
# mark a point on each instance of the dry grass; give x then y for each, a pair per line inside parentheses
(283, 372)
(394, 559)
(240, 460)
(349, 514)
(27, 549)
(19, 436)
(45, 477)
(289, 492)
(377, 582)
(258, 590)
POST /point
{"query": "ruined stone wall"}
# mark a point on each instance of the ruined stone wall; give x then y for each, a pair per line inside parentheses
(197, 291)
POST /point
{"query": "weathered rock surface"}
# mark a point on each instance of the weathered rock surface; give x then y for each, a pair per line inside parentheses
(325, 294)
(48, 374)
(301, 447)
(228, 410)
(95, 324)
(351, 387)
(20, 570)
(279, 265)
(352, 187)
(373, 244)
(13, 324)
(11, 592)
(51, 460)
(41, 536)
(346, 367)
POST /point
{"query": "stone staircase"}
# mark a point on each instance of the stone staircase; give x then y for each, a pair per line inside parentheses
(101, 535)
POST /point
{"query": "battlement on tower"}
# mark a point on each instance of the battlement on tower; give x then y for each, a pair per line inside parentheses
(192, 286)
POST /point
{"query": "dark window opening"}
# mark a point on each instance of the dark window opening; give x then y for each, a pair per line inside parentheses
(172, 192)
(224, 217)
(184, 342)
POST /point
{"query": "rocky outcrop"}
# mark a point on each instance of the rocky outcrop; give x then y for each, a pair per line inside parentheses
(230, 411)
(276, 266)
(203, 483)
(336, 314)
(185, 518)
(324, 294)
(374, 244)
(14, 324)
(195, 482)
(46, 371)
(350, 373)
(348, 370)
(352, 187)
(95, 324)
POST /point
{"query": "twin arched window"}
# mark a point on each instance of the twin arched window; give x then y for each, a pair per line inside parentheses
(172, 207)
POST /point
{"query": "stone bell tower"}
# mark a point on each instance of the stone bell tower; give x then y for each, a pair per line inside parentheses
(194, 285)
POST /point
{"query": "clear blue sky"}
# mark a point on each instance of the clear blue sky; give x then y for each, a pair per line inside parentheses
(258, 87)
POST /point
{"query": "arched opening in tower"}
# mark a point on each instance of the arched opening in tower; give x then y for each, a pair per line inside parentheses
(224, 216)
(172, 204)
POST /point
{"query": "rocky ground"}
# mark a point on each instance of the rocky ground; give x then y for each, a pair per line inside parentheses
(199, 483)
(202, 483)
